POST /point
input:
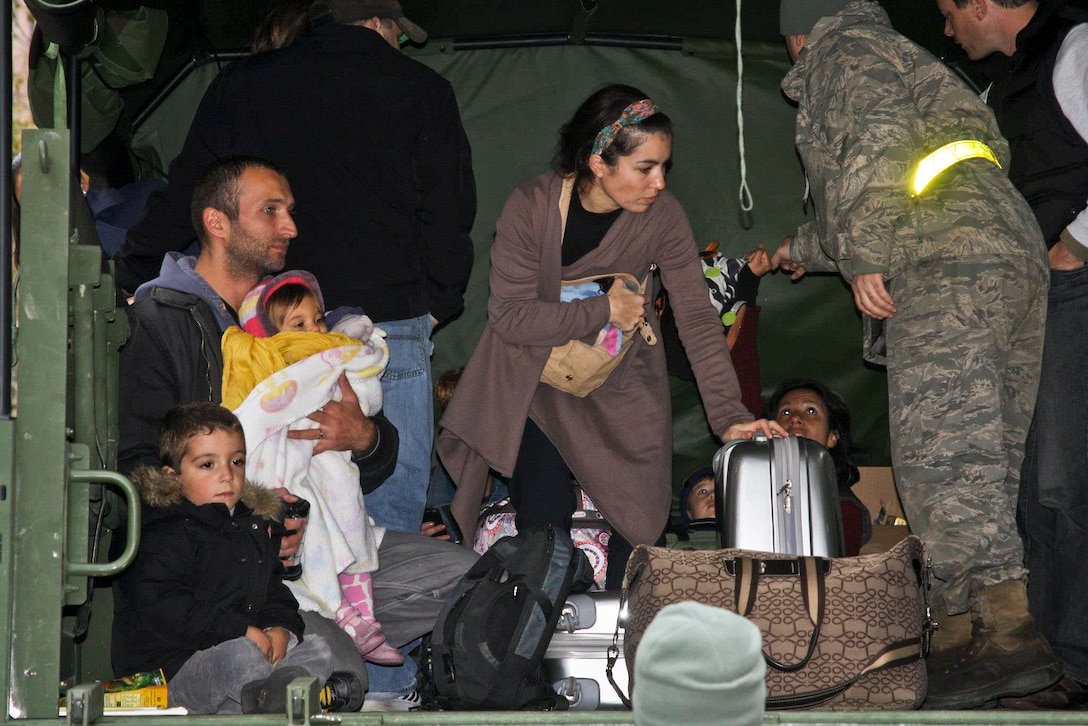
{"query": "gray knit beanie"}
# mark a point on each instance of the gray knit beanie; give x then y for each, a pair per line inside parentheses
(699, 665)
(797, 17)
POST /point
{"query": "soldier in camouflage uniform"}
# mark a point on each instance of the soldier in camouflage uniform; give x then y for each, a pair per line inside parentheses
(952, 283)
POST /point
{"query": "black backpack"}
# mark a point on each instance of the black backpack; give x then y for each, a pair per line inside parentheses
(487, 647)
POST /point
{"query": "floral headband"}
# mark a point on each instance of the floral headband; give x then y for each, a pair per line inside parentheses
(633, 114)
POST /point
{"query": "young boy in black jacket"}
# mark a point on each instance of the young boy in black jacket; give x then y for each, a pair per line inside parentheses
(204, 599)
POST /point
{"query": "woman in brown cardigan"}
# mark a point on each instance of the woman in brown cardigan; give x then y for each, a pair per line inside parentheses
(602, 211)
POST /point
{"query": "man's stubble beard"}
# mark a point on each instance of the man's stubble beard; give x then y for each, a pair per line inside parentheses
(249, 257)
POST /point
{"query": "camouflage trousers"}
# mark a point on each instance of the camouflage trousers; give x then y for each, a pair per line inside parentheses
(964, 355)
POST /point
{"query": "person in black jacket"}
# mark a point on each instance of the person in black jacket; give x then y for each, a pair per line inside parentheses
(205, 599)
(1034, 54)
(373, 144)
(242, 207)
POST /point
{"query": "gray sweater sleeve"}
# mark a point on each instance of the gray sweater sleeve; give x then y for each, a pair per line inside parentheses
(1071, 89)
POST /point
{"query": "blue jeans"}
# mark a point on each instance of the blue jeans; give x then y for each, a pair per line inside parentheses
(398, 503)
(1053, 504)
(211, 680)
(415, 578)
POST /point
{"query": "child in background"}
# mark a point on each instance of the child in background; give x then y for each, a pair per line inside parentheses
(441, 488)
(297, 375)
(696, 528)
(204, 599)
(732, 286)
(697, 496)
(807, 408)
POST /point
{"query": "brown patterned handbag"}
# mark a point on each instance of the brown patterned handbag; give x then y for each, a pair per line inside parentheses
(847, 633)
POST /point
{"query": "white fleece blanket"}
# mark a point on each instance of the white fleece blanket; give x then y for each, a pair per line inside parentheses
(340, 536)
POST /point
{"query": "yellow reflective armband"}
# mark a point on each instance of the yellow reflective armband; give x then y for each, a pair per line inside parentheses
(937, 161)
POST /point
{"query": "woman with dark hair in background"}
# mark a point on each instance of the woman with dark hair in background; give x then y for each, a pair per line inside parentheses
(602, 211)
(806, 407)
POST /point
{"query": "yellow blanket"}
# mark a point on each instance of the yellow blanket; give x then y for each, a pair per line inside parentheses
(248, 360)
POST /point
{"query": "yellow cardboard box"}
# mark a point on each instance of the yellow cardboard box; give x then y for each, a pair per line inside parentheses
(140, 690)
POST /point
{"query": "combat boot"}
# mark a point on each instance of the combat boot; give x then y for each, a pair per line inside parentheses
(1006, 656)
(953, 632)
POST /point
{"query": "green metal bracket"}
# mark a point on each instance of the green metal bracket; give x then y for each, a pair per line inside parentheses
(41, 501)
(85, 265)
(86, 704)
(580, 23)
(132, 541)
(303, 700)
(7, 494)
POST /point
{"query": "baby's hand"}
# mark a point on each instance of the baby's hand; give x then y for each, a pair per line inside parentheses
(262, 640)
(759, 262)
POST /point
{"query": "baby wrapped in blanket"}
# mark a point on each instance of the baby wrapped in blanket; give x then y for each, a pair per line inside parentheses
(284, 366)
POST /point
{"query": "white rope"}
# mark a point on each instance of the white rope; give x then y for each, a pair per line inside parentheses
(744, 193)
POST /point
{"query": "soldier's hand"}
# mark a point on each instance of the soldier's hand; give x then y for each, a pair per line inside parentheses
(783, 260)
(871, 297)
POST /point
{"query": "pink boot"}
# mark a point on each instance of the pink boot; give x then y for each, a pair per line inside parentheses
(368, 638)
(356, 617)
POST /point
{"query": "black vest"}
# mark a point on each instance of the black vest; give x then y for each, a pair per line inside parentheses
(1049, 158)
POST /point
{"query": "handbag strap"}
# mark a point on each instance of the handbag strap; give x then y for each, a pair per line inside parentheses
(809, 570)
(613, 654)
(642, 327)
(896, 654)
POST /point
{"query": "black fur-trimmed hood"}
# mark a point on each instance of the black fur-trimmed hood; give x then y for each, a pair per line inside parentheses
(160, 489)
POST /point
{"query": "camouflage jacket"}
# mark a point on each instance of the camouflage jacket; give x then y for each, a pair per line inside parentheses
(871, 105)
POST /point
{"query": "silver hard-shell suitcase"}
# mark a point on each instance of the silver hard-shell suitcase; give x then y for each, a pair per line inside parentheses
(577, 657)
(778, 495)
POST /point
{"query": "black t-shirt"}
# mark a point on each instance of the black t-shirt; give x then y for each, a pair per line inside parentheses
(585, 230)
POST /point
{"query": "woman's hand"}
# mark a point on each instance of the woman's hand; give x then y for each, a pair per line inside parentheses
(625, 306)
(749, 429)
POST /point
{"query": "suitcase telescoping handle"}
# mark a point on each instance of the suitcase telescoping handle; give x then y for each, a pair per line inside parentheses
(786, 452)
(787, 465)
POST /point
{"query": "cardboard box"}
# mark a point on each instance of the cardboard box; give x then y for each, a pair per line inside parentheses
(140, 690)
(884, 537)
(876, 490)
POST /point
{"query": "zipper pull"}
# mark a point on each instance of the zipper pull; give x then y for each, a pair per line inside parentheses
(787, 504)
